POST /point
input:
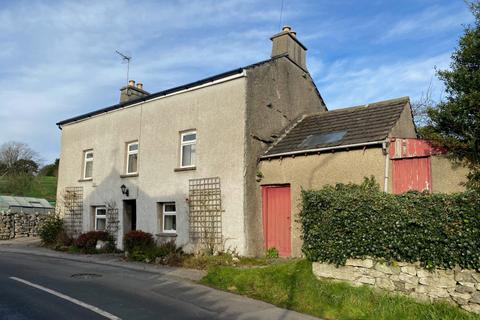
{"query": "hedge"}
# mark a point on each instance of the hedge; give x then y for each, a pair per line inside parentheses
(356, 221)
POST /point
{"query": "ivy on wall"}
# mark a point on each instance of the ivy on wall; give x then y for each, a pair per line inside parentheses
(355, 221)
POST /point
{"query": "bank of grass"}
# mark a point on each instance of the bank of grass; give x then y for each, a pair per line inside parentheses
(40, 187)
(292, 285)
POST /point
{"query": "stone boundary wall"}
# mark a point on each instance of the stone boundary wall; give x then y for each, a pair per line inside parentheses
(17, 225)
(457, 286)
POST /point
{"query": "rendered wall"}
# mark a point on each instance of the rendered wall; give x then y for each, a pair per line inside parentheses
(316, 171)
(217, 112)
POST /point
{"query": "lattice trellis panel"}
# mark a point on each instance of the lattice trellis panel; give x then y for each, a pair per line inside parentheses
(112, 221)
(73, 206)
(205, 211)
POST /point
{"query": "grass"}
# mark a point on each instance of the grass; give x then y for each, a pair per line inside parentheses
(39, 187)
(292, 285)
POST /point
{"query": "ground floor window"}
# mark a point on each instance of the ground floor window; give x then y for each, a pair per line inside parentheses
(169, 217)
(100, 218)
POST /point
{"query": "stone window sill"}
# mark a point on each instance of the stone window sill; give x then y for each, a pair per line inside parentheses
(131, 175)
(85, 180)
(185, 169)
(166, 235)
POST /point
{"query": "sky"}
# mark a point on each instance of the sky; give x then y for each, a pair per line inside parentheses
(58, 60)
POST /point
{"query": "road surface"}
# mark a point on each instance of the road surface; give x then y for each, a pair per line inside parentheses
(39, 287)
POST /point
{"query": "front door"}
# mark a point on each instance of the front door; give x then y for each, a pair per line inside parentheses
(276, 207)
(130, 215)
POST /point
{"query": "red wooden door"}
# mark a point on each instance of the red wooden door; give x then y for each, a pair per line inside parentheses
(276, 218)
(411, 174)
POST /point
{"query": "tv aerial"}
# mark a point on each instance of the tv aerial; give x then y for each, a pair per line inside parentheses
(125, 59)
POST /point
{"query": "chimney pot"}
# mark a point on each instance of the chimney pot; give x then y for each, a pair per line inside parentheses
(287, 28)
(131, 83)
(140, 85)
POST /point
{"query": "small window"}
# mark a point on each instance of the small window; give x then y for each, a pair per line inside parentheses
(88, 164)
(100, 218)
(132, 158)
(188, 140)
(169, 217)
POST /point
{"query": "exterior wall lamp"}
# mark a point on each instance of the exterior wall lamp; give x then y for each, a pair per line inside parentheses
(124, 190)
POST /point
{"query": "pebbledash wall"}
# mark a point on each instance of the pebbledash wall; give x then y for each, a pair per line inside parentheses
(16, 225)
(457, 286)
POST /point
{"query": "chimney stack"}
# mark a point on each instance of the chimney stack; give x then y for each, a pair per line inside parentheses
(286, 42)
(132, 92)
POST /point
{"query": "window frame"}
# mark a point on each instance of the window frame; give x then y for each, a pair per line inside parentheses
(131, 153)
(187, 143)
(169, 213)
(103, 216)
(85, 161)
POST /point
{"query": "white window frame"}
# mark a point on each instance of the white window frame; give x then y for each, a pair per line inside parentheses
(130, 153)
(169, 213)
(186, 143)
(85, 161)
(102, 216)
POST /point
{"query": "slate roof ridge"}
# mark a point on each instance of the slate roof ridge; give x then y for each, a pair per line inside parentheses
(377, 104)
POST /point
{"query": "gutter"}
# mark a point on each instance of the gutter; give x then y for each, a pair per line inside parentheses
(291, 153)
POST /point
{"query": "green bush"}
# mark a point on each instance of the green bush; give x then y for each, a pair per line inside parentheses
(355, 221)
(50, 229)
(165, 253)
(138, 240)
(87, 241)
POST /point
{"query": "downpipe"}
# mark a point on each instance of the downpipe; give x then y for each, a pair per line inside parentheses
(385, 145)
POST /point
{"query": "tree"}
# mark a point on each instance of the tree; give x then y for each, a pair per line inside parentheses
(16, 156)
(50, 170)
(455, 122)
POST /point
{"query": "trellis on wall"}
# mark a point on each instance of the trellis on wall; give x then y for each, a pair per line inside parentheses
(205, 212)
(112, 220)
(73, 210)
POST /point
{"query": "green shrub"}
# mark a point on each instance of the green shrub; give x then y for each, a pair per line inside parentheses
(138, 240)
(352, 221)
(271, 253)
(165, 253)
(50, 228)
(87, 241)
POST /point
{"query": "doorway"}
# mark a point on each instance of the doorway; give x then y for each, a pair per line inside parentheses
(276, 212)
(129, 215)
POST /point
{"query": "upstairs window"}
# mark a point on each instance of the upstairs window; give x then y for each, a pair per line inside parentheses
(88, 164)
(132, 157)
(169, 217)
(100, 218)
(188, 141)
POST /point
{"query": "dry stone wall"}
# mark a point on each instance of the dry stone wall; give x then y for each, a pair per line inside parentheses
(16, 225)
(457, 286)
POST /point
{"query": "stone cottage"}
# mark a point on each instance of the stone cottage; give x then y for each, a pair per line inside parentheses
(143, 163)
(200, 163)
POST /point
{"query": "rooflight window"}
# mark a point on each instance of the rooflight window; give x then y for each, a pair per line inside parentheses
(323, 138)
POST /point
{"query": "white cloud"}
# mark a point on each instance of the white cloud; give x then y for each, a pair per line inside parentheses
(352, 82)
(434, 19)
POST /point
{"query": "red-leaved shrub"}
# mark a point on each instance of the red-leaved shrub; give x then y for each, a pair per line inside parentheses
(137, 239)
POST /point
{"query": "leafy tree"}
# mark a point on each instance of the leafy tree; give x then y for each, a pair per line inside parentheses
(50, 170)
(455, 122)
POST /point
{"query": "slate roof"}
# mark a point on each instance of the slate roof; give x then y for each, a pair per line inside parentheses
(170, 91)
(341, 127)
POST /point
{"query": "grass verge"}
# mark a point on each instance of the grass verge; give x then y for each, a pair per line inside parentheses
(292, 285)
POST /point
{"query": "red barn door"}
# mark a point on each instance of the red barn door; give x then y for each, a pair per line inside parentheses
(277, 218)
(411, 174)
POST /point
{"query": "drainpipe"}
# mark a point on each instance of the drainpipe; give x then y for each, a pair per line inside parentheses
(387, 162)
